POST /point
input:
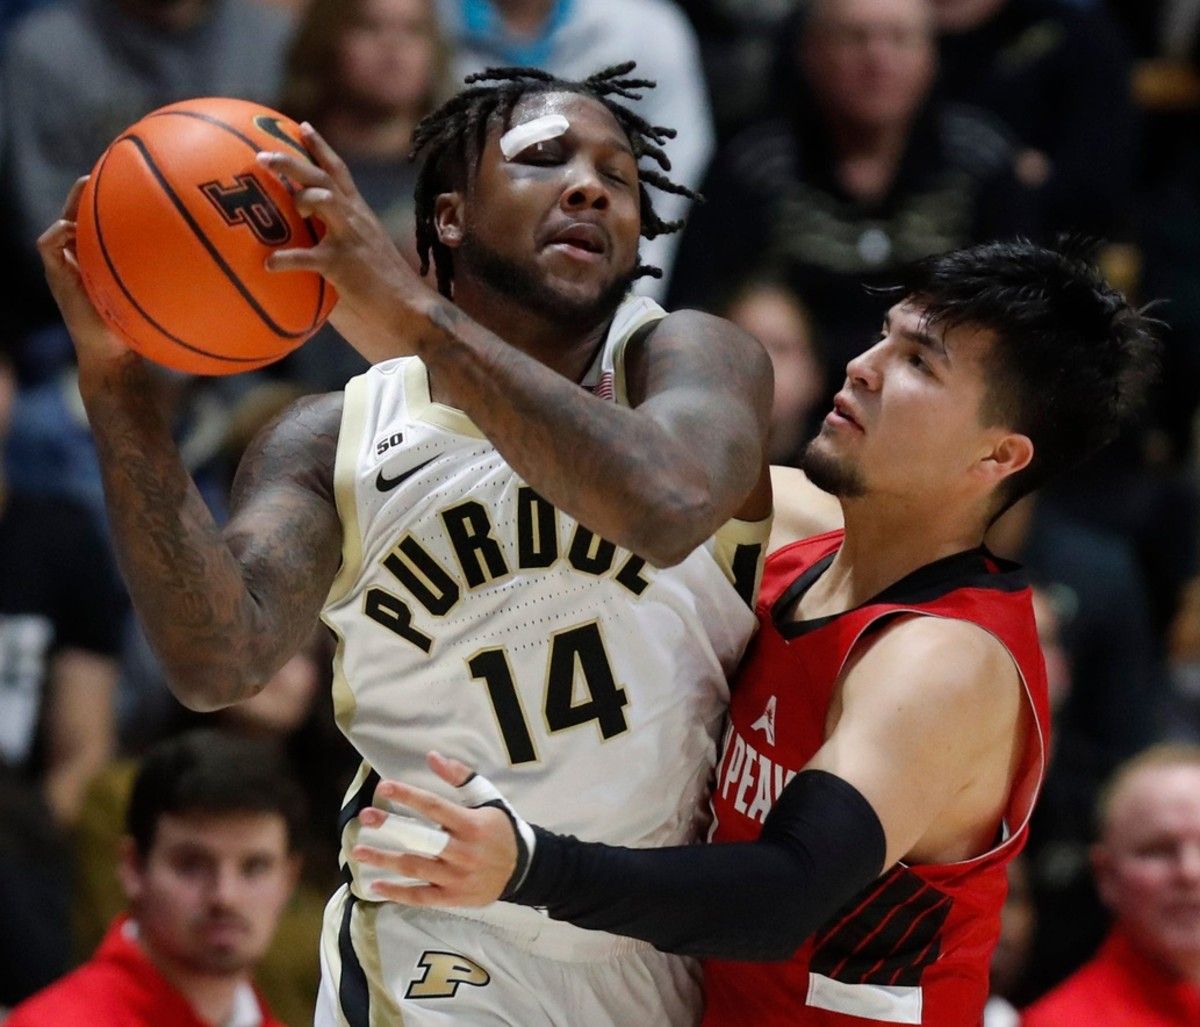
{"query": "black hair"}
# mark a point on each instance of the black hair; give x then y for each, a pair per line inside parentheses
(1072, 360)
(209, 771)
(450, 140)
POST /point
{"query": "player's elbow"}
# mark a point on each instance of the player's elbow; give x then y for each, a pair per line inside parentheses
(206, 689)
(681, 519)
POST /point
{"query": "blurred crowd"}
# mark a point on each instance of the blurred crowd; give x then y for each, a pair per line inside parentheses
(833, 141)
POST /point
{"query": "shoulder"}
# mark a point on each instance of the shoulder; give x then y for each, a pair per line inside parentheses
(801, 509)
(917, 658)
(90, 991)
(701, 329)
(1074, 1000)
(694, 348)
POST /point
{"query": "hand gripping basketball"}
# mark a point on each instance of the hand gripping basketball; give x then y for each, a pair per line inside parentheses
(356, 254)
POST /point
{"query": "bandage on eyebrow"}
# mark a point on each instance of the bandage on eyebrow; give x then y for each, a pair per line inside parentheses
(519, 137)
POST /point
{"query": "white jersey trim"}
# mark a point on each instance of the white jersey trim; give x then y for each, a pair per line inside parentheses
(887, 1002)
(345, 469)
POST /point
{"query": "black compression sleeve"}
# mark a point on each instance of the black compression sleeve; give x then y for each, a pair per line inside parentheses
(820, 846)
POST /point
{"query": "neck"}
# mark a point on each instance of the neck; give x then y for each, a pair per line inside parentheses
(524, 17)
(360, 134)
(882, 547)
(566, 350)
(210, 995)
(867, 156)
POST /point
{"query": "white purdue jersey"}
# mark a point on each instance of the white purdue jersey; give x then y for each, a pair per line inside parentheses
(474, 618)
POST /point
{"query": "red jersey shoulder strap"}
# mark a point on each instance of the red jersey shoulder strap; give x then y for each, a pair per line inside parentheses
(783, 566)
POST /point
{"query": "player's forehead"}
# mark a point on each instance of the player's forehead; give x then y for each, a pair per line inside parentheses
(588, 120)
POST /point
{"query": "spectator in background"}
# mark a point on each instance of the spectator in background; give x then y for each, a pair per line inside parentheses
(73, 75)
(574, 38)
(364, 72)
(1058, 74)
(1147, 867)
(61, 608)
(291, 719)
(775, 316)
(209, 862)
(865, 175)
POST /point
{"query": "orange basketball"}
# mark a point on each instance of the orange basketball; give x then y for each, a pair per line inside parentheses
(173, 231)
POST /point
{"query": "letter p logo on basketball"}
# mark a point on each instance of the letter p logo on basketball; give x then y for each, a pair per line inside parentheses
(246, 203)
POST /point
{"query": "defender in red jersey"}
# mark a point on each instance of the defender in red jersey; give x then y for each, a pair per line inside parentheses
(888, 729)
(915, 946)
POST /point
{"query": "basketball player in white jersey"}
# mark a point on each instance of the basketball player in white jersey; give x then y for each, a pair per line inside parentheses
(536, 538)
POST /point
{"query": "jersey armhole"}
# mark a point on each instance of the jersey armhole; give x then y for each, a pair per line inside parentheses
(638, 319)
(740, 548)
(345, 491)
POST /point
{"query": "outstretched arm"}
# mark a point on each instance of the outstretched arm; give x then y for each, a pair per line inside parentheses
(223, 609)
(918, 765)
(657, 479)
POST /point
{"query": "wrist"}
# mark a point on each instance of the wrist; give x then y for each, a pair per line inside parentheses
(104, 375)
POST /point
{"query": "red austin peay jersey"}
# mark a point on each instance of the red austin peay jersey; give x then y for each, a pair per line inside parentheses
(913, 947)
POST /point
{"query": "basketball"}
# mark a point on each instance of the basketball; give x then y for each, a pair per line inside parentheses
(174, 228)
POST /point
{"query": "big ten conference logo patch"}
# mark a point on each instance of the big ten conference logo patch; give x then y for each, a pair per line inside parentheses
(443, 973)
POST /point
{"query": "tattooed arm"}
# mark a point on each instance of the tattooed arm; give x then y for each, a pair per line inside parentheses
(223, 610)
(657, 479)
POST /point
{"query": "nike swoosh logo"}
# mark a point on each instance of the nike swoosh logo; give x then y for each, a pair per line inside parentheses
(387, 484)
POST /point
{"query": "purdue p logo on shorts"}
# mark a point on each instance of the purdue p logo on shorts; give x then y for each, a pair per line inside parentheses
(444, 972)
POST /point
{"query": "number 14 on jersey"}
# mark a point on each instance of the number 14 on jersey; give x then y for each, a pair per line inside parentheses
(579, 648)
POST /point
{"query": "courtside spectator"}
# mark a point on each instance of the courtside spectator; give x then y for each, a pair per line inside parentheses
(209, 862)
(1147, 867)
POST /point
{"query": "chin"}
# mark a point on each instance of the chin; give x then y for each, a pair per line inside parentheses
(830, 472)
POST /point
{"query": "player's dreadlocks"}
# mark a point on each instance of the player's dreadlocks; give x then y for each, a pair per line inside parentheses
(450, 140)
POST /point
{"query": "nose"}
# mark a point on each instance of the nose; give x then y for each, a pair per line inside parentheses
(863, 370)
(226, 887)
(585, 189)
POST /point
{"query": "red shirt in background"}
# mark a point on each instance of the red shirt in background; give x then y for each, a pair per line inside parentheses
(119, 987)
(1122, 987)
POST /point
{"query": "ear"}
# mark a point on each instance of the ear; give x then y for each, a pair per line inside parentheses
(1009, 454)
(449, 214)
(130, 870)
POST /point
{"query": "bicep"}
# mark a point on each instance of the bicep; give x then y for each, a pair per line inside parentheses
(921, 716)
(284, 529)
(709, 385)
